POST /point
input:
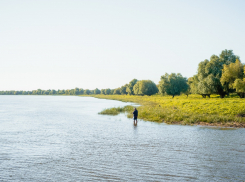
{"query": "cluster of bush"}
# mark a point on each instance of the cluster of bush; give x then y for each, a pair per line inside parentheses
(223, 74)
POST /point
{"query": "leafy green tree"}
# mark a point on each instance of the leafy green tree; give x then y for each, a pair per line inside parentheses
(112, 91)
(145, 87)
(91, 91)
(16, 93)
(76, 91)
(209, 75)
(227, 57)
(239, 85)
(102, 91)
(81, 91)
(46, 92)
(52, 92)
(61, 92)
(232, 72)
(107, 91)
(187, 92)
(39, 91)
(72, 92)
(193, 82)
(130, 87)
(117, 91)
(87, 92)
(123, 89)
(96, 91)
(173, 84)
(67, 92)
(24, 93)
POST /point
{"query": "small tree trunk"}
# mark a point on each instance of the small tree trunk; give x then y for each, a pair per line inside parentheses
(241, 95)
(173, 97)
(222, 95)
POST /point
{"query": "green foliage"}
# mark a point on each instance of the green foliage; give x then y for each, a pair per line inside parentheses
(239, 85)
(123, 89)
(209, 73)
(191, 110)
(232, 72)
(52, 92)
(117, 110)
(96, 91)
(61, 92)
(76, 91)
(81, 91)
(193, 84)
(117, 91)
(102, 91)
(108, 91)
(145, 87)
(112, 91)
(227, 57)
(130, 87)
(67, 92)
(87, 92)
(173, 84)
(207, 81)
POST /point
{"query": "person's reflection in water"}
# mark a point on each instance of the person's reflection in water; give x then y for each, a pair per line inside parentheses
(135, 124)
(135, 128)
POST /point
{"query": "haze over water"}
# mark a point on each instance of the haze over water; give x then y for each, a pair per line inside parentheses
(62, 138)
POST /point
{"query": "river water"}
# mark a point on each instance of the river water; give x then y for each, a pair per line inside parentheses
(62, 138)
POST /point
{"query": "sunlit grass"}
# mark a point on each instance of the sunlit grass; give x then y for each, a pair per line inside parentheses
(116, 110)
(180, 109)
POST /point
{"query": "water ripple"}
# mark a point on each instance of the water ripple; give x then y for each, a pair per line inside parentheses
(46, 138)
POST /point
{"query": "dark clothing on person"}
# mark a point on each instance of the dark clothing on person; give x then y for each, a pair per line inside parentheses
(135, 113)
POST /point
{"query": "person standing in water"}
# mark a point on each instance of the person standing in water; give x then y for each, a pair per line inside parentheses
(135, 113)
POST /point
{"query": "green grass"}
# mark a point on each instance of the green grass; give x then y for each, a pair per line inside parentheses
(183, 110)
(116, 110)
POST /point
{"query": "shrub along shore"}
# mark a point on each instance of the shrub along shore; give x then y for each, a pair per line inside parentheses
(227, 112)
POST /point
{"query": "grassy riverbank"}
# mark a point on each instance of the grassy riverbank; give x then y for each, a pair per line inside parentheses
(229, 112)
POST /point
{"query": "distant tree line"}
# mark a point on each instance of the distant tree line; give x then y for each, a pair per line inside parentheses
(76, 91)
(222, 75)
(135, 87)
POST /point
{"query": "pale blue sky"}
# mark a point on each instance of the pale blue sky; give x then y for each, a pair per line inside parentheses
(57, 44)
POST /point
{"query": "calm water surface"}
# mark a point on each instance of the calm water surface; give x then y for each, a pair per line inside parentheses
(62, 138)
